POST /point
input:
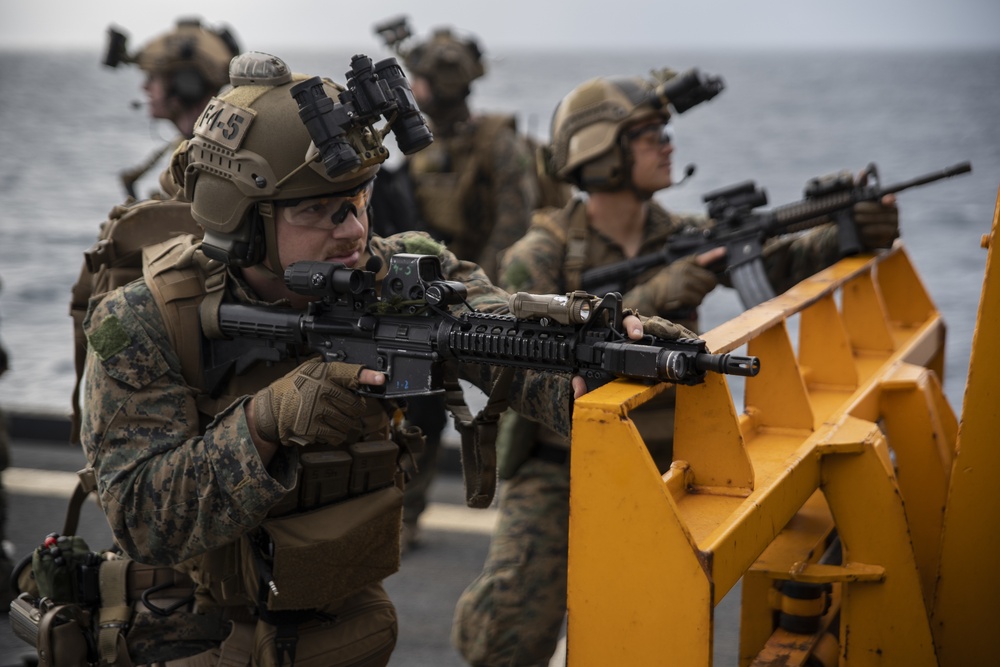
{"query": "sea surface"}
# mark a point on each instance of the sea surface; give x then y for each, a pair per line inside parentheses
(68, 127)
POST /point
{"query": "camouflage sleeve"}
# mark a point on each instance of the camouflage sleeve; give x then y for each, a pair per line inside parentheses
(169, 492)
(791, 259)
(532, 264)
(542, 397)
(515, 195)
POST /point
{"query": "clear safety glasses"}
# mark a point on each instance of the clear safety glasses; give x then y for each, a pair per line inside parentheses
(653, 134)
(325, 212)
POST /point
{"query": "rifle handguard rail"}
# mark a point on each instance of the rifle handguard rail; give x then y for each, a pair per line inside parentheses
(411, 342)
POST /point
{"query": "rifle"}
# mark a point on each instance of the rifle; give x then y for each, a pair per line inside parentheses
(743, 231)
(410, 335)
(409, 332)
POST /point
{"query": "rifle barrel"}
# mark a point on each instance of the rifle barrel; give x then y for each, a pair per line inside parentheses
(729, 364)
(947, 172)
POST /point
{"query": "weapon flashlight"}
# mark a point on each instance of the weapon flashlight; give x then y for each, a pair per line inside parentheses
(572, 308)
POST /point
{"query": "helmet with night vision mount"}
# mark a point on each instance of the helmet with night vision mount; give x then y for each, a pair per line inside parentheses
(278, 136)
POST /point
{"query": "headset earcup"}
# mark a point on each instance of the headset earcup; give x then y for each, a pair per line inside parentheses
(189, 86)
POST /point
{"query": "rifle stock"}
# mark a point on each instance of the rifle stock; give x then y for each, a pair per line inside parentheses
(742, 230)
(409, 333)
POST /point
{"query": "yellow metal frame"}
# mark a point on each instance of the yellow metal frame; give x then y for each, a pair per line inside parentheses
(850, 430)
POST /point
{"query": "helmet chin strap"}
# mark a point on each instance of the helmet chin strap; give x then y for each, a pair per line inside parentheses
(628, 162)
(374, 263)
(273, 263)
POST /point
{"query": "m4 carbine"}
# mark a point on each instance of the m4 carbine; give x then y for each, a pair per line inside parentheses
(743, 231)
(409, 333)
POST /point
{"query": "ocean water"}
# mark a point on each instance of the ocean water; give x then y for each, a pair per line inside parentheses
(68, 128)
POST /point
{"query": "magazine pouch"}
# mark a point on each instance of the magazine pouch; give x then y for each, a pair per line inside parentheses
(312, 559)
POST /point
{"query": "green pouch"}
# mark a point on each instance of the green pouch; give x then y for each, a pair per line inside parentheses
(66, 571)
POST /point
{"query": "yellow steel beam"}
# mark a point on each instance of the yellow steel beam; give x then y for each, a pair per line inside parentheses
(886, 622)
(632, 526)
(965, 614)
(650, 556)
(709, 438)
(922, 429)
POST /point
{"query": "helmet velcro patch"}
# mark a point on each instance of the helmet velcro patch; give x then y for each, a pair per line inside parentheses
(224, 123)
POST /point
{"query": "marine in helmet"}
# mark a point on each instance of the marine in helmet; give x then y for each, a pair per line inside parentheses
(474, 186)
(209, 459)
(612, 138)
(184, 68)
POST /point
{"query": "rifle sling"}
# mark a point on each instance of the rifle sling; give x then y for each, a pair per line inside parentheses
(479, 434)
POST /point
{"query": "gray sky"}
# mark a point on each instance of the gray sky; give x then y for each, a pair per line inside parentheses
(591, 24)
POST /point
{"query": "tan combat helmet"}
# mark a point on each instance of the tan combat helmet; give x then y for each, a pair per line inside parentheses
(251, 147)
(587, 148)
(449, 64)
(194, 59)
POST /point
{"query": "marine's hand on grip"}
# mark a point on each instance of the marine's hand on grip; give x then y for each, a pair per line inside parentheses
(665, 329)
(877, 222)
(316, 402)
(681, 284)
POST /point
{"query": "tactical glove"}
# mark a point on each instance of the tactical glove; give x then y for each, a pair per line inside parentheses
(315, 403)
(877, 223)
(682, 284)
(665, 329)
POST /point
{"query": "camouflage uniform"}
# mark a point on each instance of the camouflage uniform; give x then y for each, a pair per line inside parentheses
(178, 484)
(512, 613)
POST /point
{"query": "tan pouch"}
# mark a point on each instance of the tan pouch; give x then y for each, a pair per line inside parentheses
(325, 555)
